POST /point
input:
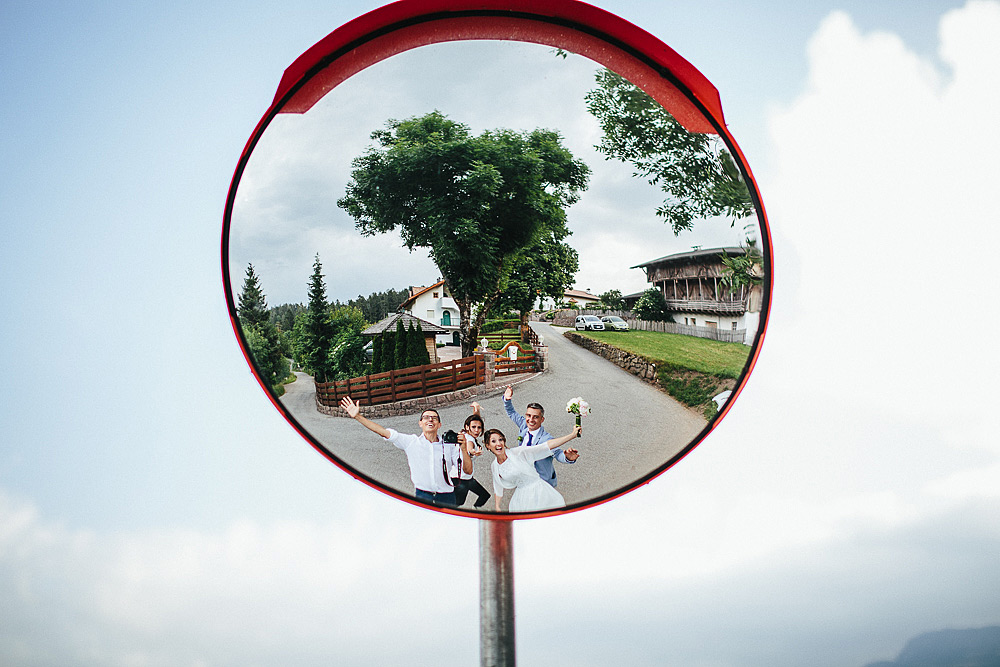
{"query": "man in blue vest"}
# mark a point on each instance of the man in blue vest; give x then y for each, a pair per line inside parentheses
(530, 433)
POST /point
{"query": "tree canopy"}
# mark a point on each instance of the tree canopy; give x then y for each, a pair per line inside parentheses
(474, 201)
(696, 173)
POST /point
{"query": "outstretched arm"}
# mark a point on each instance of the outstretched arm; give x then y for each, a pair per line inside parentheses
(354, 412)
(552, 443)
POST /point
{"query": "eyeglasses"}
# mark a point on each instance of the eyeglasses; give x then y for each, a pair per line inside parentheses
(430, 418)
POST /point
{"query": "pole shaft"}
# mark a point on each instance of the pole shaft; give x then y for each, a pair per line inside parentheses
(496, 593)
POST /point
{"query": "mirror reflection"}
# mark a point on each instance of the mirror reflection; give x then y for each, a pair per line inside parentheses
(507, 251)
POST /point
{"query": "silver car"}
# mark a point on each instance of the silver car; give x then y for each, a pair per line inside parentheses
(589, 323)
(614, 323)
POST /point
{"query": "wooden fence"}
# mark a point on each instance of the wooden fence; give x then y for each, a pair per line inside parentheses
(407, 383)
(525, 363)
(711, 333)
(503, 336)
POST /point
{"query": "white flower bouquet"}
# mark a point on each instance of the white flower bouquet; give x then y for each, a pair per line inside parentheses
(578, 407)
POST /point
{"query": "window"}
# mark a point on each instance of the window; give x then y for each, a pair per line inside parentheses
(430, 315)
(734, 326)
(434, 295)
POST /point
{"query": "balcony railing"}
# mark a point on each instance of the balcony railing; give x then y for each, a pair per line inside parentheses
(707, 306)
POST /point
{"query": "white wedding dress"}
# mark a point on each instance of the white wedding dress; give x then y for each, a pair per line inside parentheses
(531, 492)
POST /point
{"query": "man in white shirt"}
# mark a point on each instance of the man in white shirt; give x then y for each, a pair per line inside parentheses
(428, 456)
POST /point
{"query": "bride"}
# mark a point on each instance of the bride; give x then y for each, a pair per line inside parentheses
(515, 469)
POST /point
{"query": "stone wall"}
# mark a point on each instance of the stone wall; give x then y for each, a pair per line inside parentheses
(639, 366)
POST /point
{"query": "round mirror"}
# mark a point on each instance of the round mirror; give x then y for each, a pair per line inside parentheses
(473, 229)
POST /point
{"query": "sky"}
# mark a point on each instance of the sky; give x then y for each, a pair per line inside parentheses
(156, 510)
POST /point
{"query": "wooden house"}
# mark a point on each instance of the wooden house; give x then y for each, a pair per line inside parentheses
(691, 283)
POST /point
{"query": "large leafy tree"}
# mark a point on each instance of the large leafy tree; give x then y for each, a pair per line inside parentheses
(546, 268)
(696, 173)
(474, 201)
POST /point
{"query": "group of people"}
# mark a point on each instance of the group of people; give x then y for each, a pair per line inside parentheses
(441, 465)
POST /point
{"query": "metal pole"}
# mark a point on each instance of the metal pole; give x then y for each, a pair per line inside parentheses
(496, 593)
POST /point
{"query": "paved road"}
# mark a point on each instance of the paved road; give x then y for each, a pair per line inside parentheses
(634, 428)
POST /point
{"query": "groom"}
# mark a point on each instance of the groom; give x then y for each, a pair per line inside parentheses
(530, 433)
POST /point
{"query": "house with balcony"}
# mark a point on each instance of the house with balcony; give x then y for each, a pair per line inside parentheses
(435, 304)
(691, 283)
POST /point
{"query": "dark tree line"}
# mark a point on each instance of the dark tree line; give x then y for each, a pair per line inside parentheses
(377, 305)
(323, 338)
(402, 348)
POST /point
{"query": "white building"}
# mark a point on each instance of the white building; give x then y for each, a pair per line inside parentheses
(575, 297)
(435, 304)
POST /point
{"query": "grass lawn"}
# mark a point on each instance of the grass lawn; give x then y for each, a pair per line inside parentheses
(699, 354)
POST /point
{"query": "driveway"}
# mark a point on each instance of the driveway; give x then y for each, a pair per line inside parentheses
(633, 429)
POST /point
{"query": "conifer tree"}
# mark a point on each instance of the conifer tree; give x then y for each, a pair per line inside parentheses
(401, 344)
(317, 334)
(252, 307)
(263, 341)
(376, 355)
(414, 344)
(425, 356)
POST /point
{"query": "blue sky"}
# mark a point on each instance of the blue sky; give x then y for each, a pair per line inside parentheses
(156, 510)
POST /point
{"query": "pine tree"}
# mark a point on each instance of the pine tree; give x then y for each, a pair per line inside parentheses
(388, 351)
(425, 356)
(252, 308)
(401, 344)
(317, 334)
(263, 340)
(376, 355)
(414, 345)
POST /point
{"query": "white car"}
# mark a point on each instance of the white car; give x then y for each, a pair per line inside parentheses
(589, 323)
(614, 323)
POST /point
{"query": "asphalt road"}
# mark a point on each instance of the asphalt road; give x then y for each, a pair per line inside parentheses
(632, 430)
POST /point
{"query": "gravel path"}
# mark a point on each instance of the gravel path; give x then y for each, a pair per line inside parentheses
(633, 429)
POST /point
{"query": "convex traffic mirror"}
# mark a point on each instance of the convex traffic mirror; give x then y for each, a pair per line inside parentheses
(453, 204)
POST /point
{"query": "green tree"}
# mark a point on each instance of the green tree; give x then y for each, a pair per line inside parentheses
(652, 307)
(546, 268)
(613, 300)
(415, 348)
(402, 343)
(474, 201)
(696, 173)
(263, 340)
(313, 333)
(376, 354)
(743, 270)
(252, 307)
(388, 351)
(425, 355)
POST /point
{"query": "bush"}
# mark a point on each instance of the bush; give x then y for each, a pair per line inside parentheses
(492, 326)
(652, 307)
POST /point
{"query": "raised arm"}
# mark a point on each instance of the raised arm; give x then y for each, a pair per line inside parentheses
(552, 443)
(463, 447)
(354, 412)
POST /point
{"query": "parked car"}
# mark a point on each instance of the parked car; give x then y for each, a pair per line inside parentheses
(589, 323)
(615, 323)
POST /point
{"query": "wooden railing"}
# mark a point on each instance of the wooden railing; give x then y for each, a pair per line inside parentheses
(503, 336)
(525, 363)
(407, 383)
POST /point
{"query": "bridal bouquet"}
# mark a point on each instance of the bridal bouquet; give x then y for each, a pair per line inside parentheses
(578, 407)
